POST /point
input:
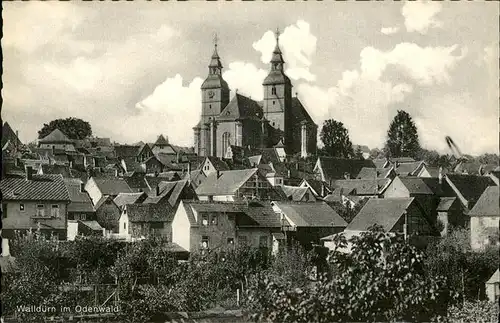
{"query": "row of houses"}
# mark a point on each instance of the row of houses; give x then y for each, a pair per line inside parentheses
(254, 196)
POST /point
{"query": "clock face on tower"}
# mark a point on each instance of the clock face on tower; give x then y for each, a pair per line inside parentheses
(211, 94)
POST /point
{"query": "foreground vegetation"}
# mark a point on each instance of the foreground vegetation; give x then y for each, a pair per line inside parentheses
(383, 279)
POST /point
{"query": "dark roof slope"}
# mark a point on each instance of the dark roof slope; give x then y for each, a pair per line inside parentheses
(361, 186)
(241, 107)
(56, 136)
(299, 112)
(63, 170)
(149, 213)
(470, 186)
(488, 204)
(80, 201)
(335, 168)
(40, 187)
(9, 135)
(122, 151)
(218, 163)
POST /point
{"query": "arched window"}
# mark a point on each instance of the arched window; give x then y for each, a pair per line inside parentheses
(273, 90)
(226, 141)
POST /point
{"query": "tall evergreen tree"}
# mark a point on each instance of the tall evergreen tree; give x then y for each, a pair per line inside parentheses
(402, 137)
(335, 138)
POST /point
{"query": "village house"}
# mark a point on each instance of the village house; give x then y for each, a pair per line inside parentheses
(108, 214)
(493, 287)
(213, 165)
(34, 202)
(139, 221)
(236, 185)
(373, 173)
(201, 226)
(468, 188)
(308, 222)
(82, 219)
(401, 216)
(108, 186)
(484, 219)
(56, 140)
(408, 168)
(162, 146)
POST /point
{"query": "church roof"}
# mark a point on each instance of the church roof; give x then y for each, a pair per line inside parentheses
(56, 136)
(214, 81)
(276, 77)
(241, 107)
(215, 60)
(299, 112)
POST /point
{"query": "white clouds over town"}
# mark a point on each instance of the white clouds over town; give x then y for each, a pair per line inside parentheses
(134, 73)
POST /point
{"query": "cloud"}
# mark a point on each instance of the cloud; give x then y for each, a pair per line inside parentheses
(247, 78)
(420, 16)
(172, 109)
(298, 45)
(389, 30)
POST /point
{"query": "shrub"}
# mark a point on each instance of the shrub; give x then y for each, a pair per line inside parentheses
(479, 312)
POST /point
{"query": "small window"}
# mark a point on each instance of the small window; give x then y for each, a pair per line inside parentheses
(204, 219)
(40, 210)
(210, 106)
(21, 207)
(213, 220)
(205, 242)
(83, 217)
(55, 211)
(274, 102)
(274, 123)
(230, 241)
(124, 225)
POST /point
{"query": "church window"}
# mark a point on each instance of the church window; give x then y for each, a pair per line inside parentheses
(274, 123)
(274, 102)
(226, 140)
(210, 106)
(273, 90)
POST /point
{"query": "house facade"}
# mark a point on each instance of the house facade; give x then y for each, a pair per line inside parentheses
(484, 219)
(35, 202)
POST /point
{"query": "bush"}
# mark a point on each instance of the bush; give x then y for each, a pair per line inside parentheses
(381, 280)
(479, 312)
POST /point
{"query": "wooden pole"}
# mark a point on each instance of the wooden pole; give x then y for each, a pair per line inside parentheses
(238, 297)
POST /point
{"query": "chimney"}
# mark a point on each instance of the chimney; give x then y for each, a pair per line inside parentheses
(440, 175)
(29, 172)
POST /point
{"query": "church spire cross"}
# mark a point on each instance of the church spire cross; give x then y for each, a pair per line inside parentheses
(215, 39)
(277, 34)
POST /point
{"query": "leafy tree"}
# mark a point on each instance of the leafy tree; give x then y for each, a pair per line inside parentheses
(74, 128)
(335, 138)
(402, 137)
(358, 153)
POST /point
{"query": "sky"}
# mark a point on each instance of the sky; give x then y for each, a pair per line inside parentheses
(133, 70)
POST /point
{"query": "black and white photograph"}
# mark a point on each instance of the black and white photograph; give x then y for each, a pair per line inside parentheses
(250, 161)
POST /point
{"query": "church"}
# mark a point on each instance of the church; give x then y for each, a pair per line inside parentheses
(279, 120)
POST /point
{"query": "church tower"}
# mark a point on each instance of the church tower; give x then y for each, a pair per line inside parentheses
(278, 95)
(214, 98)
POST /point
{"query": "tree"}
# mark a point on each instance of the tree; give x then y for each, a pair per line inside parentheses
(335, 137)
(402, 137)
(74, 128)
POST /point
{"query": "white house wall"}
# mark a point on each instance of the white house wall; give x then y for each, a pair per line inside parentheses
(181, 228)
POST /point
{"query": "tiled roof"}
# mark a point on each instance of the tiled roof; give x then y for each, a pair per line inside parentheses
(56, 136)
(276, 77)
(129, 198)
(227, 184)
(196, 178)
(488, 204)
(56, 169)
(406, 169)
(254, 160)
(241, 107)
(372, 173)
(385, 212)
(218, 163)
(92, 225)
(434, 171)
(261, 214)
(40, 187)
(379, 162)
(295, 193)
(137, 182)
(445, 203)
(311, 214)
(80, 201)
(299, 112)
(169, 176)
(112, 186)
(317, 185)
(470, 186)
(9, 135)
(171, 192)
(335, 168)
(161, 141)
(123, 151)
(149, 213)
(361, 186)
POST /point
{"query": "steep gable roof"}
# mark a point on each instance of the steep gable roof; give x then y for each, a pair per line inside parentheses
(372, 173)
(112, 186)
(129, 198)
(311, 214)
(80, 201)
(295, 193)
(488, 204)
(226, 184)
(241, 107)
(161, 141)
(9, 135)
(124, 151)
(470, 187)
(218, 164)
(385, 212)
(408, 169)
(299, 112)
(39, 187)
(362, 186)
(56, 136)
